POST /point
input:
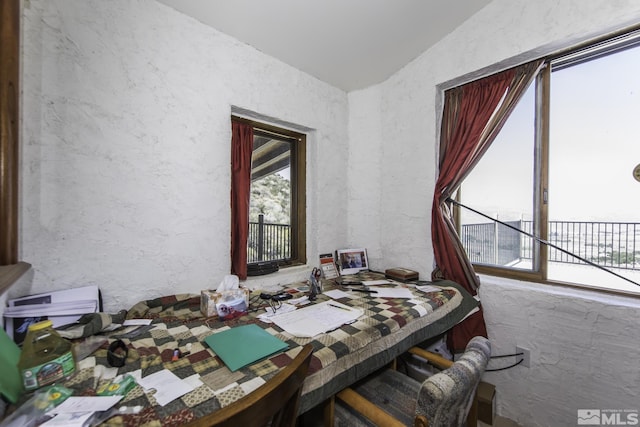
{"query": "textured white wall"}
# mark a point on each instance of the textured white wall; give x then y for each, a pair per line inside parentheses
(364, 176)
(126, 157)
(584, 351)
(504, 33)
(126, 147)
(584, 345)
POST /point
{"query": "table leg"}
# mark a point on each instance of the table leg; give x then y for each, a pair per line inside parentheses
(328, 412)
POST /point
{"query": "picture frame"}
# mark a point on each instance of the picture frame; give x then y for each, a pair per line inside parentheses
(351, 261)
(328, 266)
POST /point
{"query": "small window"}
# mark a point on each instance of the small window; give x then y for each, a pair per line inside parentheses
(277, 219)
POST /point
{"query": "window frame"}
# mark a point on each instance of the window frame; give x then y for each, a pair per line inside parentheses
(298, 176)
(11, 270)
(593, 49)
(9, 124)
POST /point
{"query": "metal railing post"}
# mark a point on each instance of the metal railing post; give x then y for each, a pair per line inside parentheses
(260, 237)
(495, 243)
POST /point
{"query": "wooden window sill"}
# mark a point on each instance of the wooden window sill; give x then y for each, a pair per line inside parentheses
(9, 274)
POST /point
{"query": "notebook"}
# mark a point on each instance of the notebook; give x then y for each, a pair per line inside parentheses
(243, 345)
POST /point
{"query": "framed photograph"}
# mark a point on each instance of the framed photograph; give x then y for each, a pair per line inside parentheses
(351, 261)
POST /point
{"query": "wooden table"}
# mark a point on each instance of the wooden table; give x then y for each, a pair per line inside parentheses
(387, 329)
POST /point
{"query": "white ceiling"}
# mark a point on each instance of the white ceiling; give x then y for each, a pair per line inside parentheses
(350, 44)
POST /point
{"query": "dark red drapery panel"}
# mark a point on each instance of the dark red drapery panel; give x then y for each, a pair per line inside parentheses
(467, 111)
(473, 115)
(241, 150)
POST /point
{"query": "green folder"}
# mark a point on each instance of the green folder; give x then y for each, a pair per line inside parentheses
(243, 345)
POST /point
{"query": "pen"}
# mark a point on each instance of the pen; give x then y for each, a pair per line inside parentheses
(337, 306)
(367, 291)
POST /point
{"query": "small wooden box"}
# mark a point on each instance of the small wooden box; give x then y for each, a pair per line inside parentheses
(401, 274)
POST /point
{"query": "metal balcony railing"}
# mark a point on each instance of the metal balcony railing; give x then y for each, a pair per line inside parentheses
(608, 244)
(268, 242)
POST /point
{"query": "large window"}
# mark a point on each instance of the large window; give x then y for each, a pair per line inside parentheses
(562, 169)
(277, 201)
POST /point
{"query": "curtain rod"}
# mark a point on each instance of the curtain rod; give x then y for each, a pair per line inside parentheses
(544, 242)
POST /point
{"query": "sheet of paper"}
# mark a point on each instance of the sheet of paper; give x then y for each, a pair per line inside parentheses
(137, 322)
(376, 282)
(337, 294)
(76, 419)
(300, 326)
(269, 312)
(137, 375)
(316, 319)
(86, 404)
(194, 381)
(391, 293)
(58, 309)
(428, 288)
(167, 385)
(102, 372)
(300, 301)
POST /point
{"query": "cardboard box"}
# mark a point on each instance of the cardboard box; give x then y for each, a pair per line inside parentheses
(486, 402)
(208, 303)
(225, 304)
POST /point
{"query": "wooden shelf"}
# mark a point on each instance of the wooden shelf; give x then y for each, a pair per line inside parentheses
(9, 274)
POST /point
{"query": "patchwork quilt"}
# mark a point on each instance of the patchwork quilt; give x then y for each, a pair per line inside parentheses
(388, 327)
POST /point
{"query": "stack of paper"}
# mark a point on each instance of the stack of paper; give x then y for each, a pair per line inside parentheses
(316, 319)
(78, 411)
(61, 307)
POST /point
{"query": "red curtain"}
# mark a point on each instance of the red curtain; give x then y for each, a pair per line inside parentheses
(473, 115)
(241, 150)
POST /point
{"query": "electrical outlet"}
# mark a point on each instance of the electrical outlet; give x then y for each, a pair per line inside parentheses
(525, 356)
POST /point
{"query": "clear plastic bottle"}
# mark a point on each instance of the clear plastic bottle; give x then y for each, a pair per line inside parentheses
(46, 357)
